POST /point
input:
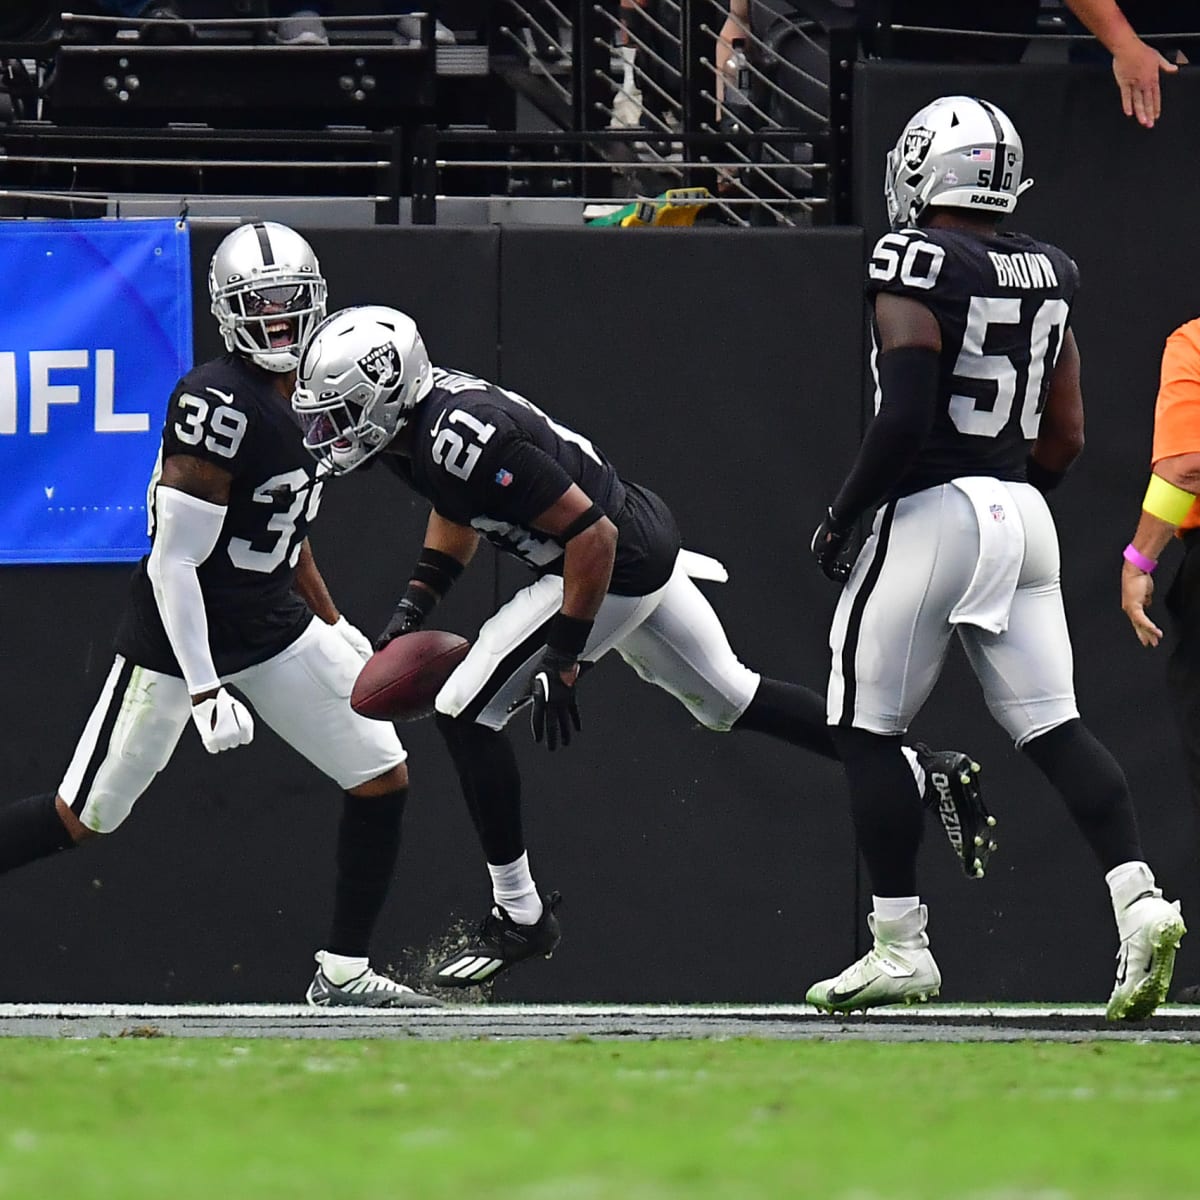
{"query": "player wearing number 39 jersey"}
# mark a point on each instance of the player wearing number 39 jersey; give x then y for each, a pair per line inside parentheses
(230, 597)
(978, 414)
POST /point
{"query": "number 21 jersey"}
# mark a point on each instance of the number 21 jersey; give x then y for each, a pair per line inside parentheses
(227, 412)
(1003, 303)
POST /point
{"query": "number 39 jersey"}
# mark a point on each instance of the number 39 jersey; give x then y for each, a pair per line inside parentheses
(1003, 303)
(227, 412)
(488, 458)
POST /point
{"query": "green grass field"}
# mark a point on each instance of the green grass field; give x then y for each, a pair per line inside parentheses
(225, 1120)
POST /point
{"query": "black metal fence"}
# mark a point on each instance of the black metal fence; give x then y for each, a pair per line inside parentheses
(586, 101)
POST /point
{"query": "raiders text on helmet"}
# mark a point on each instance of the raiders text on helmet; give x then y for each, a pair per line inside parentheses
(267, 293)
(360, 375)
(958, 152)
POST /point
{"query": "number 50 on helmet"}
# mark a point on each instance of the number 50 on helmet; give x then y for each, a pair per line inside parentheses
(360, 376)
(958, 152)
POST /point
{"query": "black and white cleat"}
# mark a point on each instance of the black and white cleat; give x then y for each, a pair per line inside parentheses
(953, 793)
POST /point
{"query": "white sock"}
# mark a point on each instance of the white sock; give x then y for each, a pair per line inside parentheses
(892, 908)
(1128, 882)
(339, 969)
(918, 771)
(514, 890)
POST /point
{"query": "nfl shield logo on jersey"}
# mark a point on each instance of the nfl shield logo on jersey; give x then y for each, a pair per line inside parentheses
(382, 366)
(997, 511)
(916, 146)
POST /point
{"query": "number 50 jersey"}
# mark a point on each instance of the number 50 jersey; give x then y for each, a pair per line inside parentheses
(1004, 304)
(227, 412)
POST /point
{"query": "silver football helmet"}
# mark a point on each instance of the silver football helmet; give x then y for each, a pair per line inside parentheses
(958, 152)
(361, 374)
(267, 293)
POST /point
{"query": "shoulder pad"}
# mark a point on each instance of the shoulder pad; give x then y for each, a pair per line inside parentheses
(905, 260)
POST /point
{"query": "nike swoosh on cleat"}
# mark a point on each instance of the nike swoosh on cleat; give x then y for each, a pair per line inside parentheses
(842, 997)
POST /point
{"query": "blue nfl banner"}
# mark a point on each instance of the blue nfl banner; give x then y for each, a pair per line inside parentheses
(95, 330)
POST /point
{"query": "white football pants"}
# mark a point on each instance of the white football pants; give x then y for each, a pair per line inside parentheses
(671, 638)
(893, 622)
(303, 694)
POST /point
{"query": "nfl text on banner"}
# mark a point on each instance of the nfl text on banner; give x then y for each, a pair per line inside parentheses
(95, 329)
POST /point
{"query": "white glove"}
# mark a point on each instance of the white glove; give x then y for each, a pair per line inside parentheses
(223, 722)
(358, 640)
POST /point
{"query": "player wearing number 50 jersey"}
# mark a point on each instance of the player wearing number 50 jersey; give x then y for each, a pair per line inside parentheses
(979, 413)
(230, 595)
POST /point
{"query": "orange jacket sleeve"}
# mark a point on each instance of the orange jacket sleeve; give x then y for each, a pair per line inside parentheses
(1177, 410)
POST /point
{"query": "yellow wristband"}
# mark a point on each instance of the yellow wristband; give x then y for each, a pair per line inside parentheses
(1166, 501)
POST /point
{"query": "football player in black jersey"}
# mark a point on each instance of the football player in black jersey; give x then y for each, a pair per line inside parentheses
(610, 576)
(227, 596)
(979, 413)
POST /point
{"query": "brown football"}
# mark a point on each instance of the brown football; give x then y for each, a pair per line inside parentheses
(401, 681)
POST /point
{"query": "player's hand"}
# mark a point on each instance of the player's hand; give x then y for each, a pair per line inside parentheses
(223, 721)
(828, 547)
(1137, 590)
(1135, 68)
(406, 617)
(555, 710)
(354, 636)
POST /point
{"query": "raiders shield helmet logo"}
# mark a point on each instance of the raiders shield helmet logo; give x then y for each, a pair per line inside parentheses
(916, 146)
(382, 366)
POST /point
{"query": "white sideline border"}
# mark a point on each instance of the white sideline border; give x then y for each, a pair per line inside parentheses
(1003, 1013)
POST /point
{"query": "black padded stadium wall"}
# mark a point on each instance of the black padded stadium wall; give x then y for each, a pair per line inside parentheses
(723, 369)
(1121, 200)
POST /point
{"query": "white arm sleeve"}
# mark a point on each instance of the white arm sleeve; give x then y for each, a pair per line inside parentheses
(186, 530)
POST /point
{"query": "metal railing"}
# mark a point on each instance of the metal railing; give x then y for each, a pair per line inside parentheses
(651, 71)
(636, 95)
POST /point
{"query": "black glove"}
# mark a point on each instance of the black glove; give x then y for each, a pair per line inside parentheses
(554, 708)
(406, 617)
(829, 544)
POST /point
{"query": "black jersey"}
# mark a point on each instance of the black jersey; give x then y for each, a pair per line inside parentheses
(488, 458)
(227, 411)
(1003, 303)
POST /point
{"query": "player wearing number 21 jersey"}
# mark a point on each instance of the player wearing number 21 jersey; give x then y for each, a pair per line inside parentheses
(230, 595)
(979, 413)
(608, 576)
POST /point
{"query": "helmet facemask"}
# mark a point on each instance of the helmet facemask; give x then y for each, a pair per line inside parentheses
(268, 294)
(361, 375)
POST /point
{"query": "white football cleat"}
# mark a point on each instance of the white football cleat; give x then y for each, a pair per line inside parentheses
(1150, 929)
(362, 987)
(897, 969)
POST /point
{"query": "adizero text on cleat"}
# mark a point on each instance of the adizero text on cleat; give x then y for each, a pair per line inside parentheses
(953, 794)
(368, 989)
(499, 943)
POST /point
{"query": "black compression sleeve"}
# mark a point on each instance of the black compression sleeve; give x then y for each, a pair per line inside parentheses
(437, 571)
(908, 388)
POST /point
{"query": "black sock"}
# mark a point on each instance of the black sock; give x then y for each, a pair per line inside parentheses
(889, 818)
(368, 845)
(1094, 787)
(792, 712)
(491, 784)
(30, 829)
